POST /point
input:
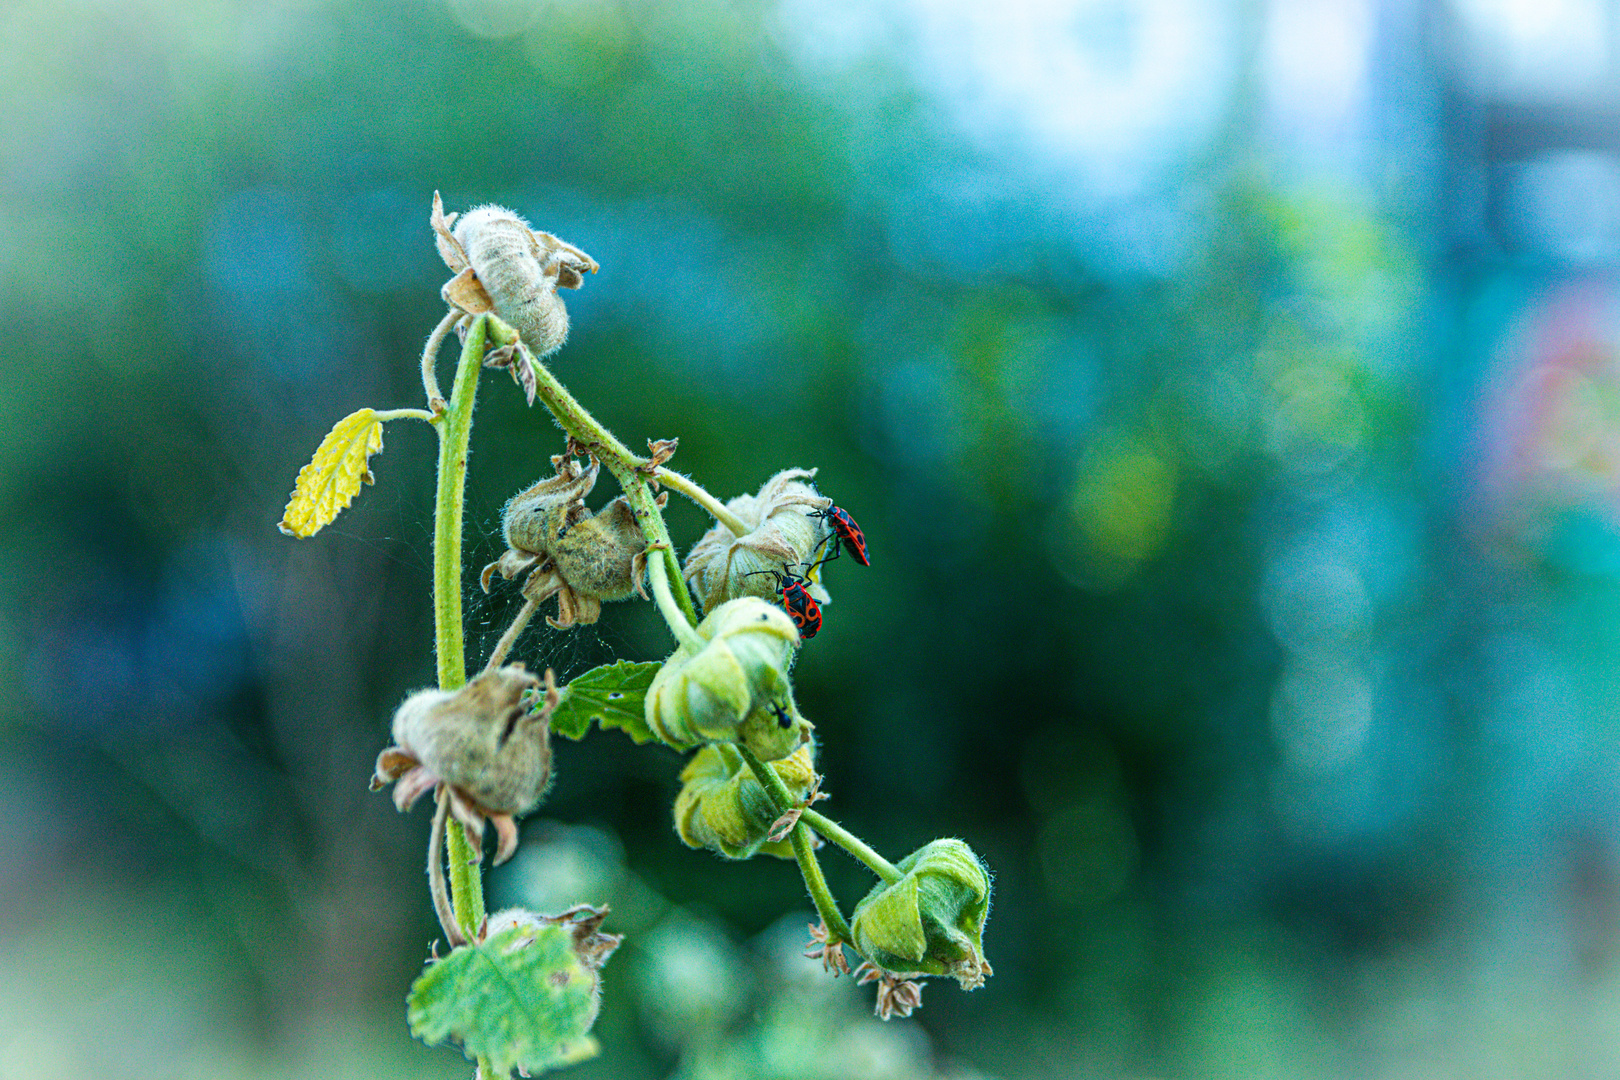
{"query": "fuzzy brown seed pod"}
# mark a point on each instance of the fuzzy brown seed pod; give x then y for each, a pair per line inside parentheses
(482, 742)
(503, 265)
(567, 551)
(782, 536)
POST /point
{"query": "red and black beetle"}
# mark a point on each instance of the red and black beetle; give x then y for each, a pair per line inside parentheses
(845, 532)
(797, 601)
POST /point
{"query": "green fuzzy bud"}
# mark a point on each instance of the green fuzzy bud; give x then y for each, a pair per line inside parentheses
(931, 921)
(722, 806)
(735, 689)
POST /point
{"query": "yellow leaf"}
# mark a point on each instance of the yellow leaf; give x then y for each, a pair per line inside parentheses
(329, 483)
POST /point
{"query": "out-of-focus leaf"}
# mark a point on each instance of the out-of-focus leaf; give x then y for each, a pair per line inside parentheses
(329, 483)
(520, 998)
(613, 695)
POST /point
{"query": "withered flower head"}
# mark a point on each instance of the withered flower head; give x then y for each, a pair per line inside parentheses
(897, 994)
(565, 550)
(504, 266)
(482, 742)
(782, 536)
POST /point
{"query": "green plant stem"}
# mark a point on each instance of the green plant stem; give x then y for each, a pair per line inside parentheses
(405, 414)
(694, 491)
(853, 844)
(455, 430)
(783, 801)
(658, 574)
(625, 466)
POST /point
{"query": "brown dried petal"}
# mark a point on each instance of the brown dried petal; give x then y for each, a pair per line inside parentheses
(450, 249)
(392, 763)
(511, 564)
(465, 292)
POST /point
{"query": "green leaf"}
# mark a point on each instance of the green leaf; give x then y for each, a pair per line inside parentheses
(520, 998)
(613, 695)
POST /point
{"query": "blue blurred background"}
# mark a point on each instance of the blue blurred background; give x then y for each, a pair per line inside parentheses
(1229, 392)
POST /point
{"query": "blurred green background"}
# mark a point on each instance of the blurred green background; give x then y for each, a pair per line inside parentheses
(1228, 391)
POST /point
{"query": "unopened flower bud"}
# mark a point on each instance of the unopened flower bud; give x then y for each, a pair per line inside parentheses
(722, 806)
(782, 536)
(931, 921)
(735, 689)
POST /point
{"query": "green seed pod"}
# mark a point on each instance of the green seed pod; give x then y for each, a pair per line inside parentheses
(735, 689)
(722, 806)
(782, 536)
(931, 921)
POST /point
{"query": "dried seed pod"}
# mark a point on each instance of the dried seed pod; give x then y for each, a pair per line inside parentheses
(537, 513)
(597, 554)
(722, 806)
(482, 742)
(783, 535)
(568, 552)
(503, 265)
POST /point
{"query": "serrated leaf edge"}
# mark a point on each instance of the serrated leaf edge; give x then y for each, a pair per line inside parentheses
(327, 485)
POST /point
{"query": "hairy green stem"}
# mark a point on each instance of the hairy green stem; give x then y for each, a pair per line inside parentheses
(694, 491)
(783, 801)
(658, 574)
(625, 466)
(405, 414)
(853, 844)
(455, 430)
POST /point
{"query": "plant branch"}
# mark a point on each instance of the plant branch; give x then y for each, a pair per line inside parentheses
(441, 899)
(513, 632)
(694, 491)
(782, 800)
(430, 358)
(625, 466)
(658, 574)
(405, 414)
(455, 431)
(853, 844)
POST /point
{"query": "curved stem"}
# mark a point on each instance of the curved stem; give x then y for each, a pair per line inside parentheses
(853, 844)
(782, 801)
(694, 491)
(430, 357)
(441, 899)
(513, 632)
(625, 466)
(658, 574)
(455, 431)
